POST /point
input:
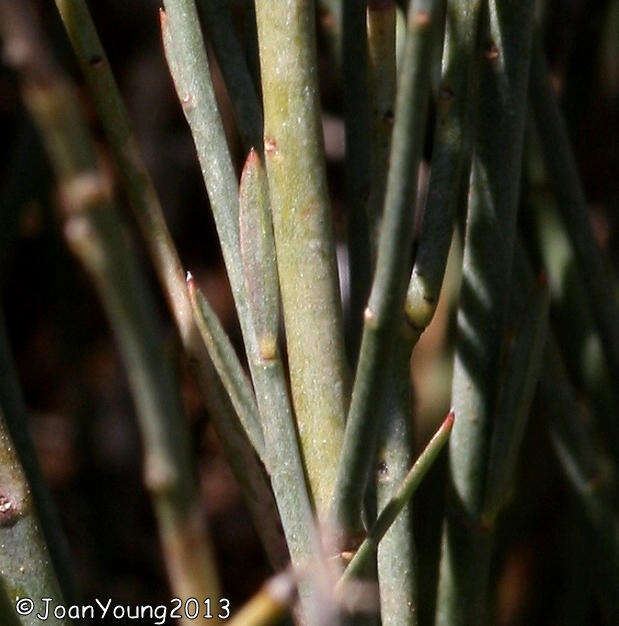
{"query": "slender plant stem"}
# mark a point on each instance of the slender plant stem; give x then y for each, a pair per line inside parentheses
(231, 60)
(228, 367)
(358, 162)
(283, 456)
(94, 233)
(488, 253)
(16, 418)
(562, 170)
(381, 20)
(25, 566)
(397, 503)
(149, 215)
(451, 151)
(386, 303)
(519, 381)
(396, 555)
(295, 165)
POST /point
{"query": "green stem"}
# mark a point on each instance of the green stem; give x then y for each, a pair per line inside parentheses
(397, 555)
(25, 565)
(93, 231)
(488, 254)
(283, 456)
(451, 151)
(381, 21)
(397, 503)
(16, 418)
(562, 170)
(149, 215)
(386, 304)
(231, 60)
(295, 165)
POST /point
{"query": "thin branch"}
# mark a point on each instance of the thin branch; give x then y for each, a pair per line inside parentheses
(283, 456)
(395, 505)
(386, 304)
(231, 60)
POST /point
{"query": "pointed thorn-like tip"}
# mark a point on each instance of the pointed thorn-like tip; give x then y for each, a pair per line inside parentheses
(162, 17)
(191, 283)
(449, 420)
(252, 163)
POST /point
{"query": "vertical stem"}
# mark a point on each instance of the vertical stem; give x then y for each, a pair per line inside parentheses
(381, 20)
(451, 151)
(489, 241)
(149, 215)
(295, 164)
(25, 565)
(386, 305)
(396, 555)
(231, 60)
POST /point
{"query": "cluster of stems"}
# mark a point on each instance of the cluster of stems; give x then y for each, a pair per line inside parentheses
(318, 428)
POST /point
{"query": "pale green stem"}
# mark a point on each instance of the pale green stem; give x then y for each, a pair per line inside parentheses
(488, 254)
(231, 60)
(149, 215)
(453, 134)
(283, 457)
(25, 565)
(398, 501)
(385, 308)
(396, 556)
(295, 165)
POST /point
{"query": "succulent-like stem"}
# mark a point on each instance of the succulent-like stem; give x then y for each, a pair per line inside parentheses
(94, 232)
(228, 367)
(231, 60)
(385, 308)
(283, 456)
(562, 170)
(398, 501)
(295, 165)
(357, 165)
(451, 151)
(149, 215)
(488, 254)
